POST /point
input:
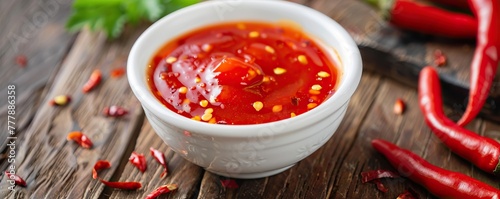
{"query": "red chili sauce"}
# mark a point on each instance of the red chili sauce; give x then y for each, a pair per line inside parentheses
(242, 73)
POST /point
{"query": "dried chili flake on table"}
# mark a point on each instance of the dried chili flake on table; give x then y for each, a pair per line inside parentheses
(17, 180)
(160, 157)
(104, 164)
(80, 138)
(368, 176)
(21, 61)
(162, 190)
(100, 165)
(94, 80)
(229, 183)
(399, 106)
(60, 100)
(122, 185)
(374, 176)
(408, 194)
(117, 72)
(114, 111)
(439, 58)
(138, 160)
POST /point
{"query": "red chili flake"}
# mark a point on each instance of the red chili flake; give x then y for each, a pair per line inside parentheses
(117, 72)
(100, 165)
(122, 185)
(80, 138)
(21, 61)
(162, 190)
(94, 80)
(138, 160)
(375, 176)
(60, 100)
(229, 183)
(439, 58)
(17, 180)
(114, 111)
(408, 194)
(399, 106)
(380, 185)
(160, 157)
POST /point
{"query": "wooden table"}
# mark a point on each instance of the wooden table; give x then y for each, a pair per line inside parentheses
(60, 62)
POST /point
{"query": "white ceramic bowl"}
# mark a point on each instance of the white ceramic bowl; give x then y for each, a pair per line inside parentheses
(247, 151)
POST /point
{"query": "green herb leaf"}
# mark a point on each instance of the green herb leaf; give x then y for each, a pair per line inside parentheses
(111, 16)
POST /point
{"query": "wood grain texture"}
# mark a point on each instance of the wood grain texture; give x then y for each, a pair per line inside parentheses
(60, 63)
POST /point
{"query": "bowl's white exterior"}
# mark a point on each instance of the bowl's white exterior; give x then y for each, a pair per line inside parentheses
(246, 151)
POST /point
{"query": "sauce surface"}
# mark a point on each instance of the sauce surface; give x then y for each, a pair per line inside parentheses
(242, 73)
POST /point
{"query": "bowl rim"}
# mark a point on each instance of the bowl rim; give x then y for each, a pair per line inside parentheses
(345, 89)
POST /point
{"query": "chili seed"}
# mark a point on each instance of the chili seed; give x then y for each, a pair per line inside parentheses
(323, 74)
(253, 34)
(277, 108)
(183, 90)
(292, 114)
(60, 100)
(314, 92)
(203, 103)
(186, 101)
(269, 49)
(196, 117)
(279, 71)
(212, 121)
(302, 59)
(206, 47)
(240, 26)
(399, 106)
(197, 80)
(316, 87)
(265, 79)
(206, 116)
(171, 60)
(311, 105)
(258, 105)
(209, 111)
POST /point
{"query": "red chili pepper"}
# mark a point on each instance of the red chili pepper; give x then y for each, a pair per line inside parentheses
(486, 57)
(428, 19)
(117, 72)
(161, 190)
(94, 80)
(139, 161)
(80, 138)
(455, 3)
(114, 111)
(122, 185)
(17, 180)
(438, 181)
(100, 165)
(21, 60)
(482, 151)
(160, 157)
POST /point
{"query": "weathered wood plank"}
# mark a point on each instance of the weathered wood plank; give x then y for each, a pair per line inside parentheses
(36, 30)
(181, 172)
(54, 167)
